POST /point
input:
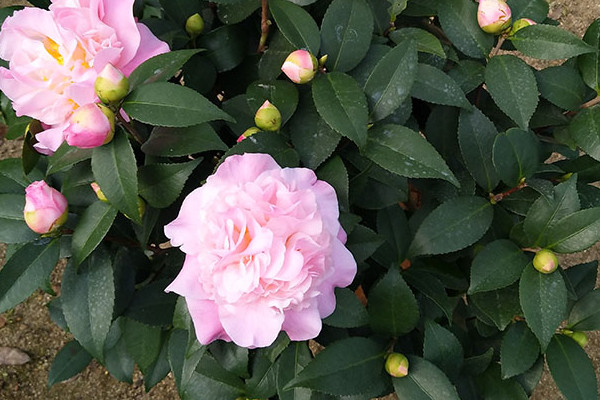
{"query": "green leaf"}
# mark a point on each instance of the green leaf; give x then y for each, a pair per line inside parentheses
(143, 342)
(342, 104)
(571, 369)
(167, 104)
(405, 152)
(88, 294)
(263, 382)
(231, 357)
(65, 156)
(269, 66)
(469, 74)
(433, 85)
(70, 360)
(346, 33)
(516, 155)
(585, 314)
(349, 311)
(293, 360)
(442, 348)
(152, 306)
(158, 370)
(497, 307)
(363, 242)
(393, 309)
(513, 87)
(225, 46)
(282, 94)
(426, 42)
(575, 232)
(267, 142)
(389, 83)
(519, 350)
(497, 265)
(459, 22)
(584, 129)
(12, 169)
(174, 142)
(549, 42)
(297, 25)
(346, 367)
(493, 387)
(476, 135)
(589, 64)
(544, 302)
(91, 228)
(161, 184)
(13, 228)
(114, 167)
(334, 172)
(235, 13)
(562, 86)
(432, 288)
(393, 226)
(536, 10)
(25, 271)
(452, 226)
(160, 68)
(424, 382)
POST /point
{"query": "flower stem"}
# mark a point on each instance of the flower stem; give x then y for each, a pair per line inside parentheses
(591, 103)
(495, 50)
(495, 198)
(264, 26)
(129, 128)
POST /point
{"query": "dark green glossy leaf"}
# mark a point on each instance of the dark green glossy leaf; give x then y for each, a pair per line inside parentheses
(114, 167)
(346, 33)
(424, 382)
(161, 184)
(497, 307)
(442, 348)
(544, 302)
(152, 306)
(589, 64)
(363, 242)
(296, 24)
(65, 157)
(143, 342)
(459, 22)
(167, 104)
(426, 42)
(469, 74)
(69, 361)
(341, 103)
(434, 86)
(281, 94)
(549, 42)
(349, 311)
(25, 271)
(91, 228)
(497, 265)
(270, 143)
(334, 172)
(432, 288)
(160, 68)
(513, 87)
(519, 350)
(237, 12)
(404, 152)
(389, 83)
(562, 86)
(571, 369)
(393, 226)
(88, 294)
(225, 46)
(269, 66)
(584, 129)
(493, 387)
(13, 228)
(516, 155)
(174, 142)
(536, 10)
(293, 360)
(585, 314)
(452, 226)
(392, 307)
(575, 232)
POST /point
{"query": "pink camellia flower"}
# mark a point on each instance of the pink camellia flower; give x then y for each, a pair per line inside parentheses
(55, 56)
(45, 208)
(264, 252)
(90, 126)
(493, 16)
(300, 66)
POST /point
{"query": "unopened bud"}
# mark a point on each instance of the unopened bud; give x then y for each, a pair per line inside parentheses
(493, 16)
(396, 365)
(45, 208)
(520, 24)
(111, 85)
(247, 133)
(194, 25)
(580, 337)
(90, 126)
(268, 117)
(300, 66)
(545, 261)
(98, 191)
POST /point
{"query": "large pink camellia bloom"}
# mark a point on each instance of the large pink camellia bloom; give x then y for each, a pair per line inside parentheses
(264, 252)
(55, 56)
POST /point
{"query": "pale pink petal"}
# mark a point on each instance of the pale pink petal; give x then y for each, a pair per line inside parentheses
(251, 326)
(150, 46)
(206, 321)
(302, 324)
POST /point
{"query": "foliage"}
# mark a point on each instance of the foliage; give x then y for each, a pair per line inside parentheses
(436, 147)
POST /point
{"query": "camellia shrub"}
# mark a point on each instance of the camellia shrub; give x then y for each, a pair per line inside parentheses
(230, 180)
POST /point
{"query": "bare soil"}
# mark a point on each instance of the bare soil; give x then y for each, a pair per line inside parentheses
(29, 328)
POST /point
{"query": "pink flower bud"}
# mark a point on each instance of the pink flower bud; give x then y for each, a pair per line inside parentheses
(300, 66)
(396, 365)
(45, 208)
(545, 261)
(91, 125)
(268, 117)
(99, 192)
(247, 133)
(520, 24)
(111, 85)
(493, 16)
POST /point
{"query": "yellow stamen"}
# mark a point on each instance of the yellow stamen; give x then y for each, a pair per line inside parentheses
(52, 48)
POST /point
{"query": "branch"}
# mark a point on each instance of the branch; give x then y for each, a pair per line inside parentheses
(264, 26)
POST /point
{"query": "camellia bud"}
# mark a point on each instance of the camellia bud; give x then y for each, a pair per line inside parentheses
(98, 191)
(545, 261)
(111, 85)
(493, 16)
(91, 125)
(45, 208)
(247, 133)
(268, 117)
(396, 365)
(520, 24)
(194, 25)
(300, 66)
(580, 337)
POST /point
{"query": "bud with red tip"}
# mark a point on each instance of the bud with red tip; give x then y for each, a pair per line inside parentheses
(396, 365)
(268, 117)
(45, 208)
(247, 133)
(545, 261)
(493, 16)
(520, 24)
(99, 192)
(300, 66)
(90, 126)
(111, 85)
